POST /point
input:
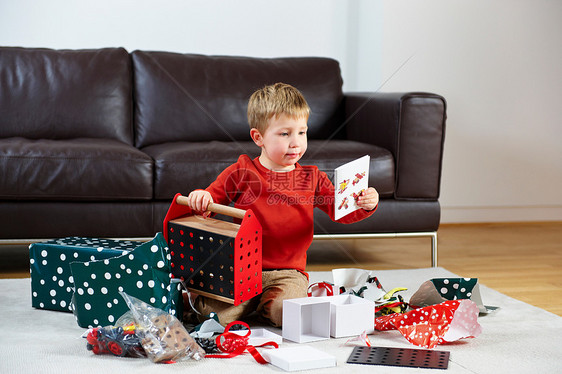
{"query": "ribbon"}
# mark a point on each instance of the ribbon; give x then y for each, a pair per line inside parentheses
(393, 304)
(393, 307)
(321, 289)
(233, 344)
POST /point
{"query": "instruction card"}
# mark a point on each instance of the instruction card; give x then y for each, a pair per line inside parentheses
(349, 181)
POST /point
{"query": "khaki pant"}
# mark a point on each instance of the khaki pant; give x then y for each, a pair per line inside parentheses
(277, 285)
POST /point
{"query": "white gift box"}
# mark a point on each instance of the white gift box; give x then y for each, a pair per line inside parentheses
(260, 336)
(302, 357)
(306, 319)
(350, 315)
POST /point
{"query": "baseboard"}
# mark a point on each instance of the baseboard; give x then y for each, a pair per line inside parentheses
(500, 214)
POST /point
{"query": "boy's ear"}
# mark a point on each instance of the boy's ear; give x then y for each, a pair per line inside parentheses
(256, 137)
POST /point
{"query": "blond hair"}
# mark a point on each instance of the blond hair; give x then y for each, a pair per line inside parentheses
(274, 100)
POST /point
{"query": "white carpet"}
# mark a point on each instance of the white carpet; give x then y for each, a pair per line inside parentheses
(519, 338)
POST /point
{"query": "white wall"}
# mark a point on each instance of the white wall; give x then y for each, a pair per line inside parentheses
(248, 27)
(498, 63)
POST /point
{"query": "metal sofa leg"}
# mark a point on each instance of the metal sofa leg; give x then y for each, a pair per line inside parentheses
(431, 234)
(434, 250)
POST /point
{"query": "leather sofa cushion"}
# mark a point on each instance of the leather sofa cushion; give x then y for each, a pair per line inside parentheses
(391, 216)
(182, 167)
(195, 98)
(64, 94)
(79, 169)
(58, 219)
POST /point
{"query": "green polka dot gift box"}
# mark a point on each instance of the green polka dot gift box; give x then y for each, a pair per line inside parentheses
(52, 284)
(144, 273)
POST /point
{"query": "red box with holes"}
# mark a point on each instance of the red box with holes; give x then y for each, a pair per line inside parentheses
(212, 257)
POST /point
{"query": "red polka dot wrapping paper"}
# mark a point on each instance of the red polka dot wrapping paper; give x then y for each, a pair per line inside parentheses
(436, 324)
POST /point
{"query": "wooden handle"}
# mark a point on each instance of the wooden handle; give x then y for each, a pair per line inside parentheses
(217, 208)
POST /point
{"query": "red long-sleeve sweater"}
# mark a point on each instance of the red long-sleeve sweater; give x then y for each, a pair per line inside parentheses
(283, 202)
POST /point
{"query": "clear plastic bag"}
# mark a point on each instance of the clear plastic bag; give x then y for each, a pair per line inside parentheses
(163, 336)
(118, 340)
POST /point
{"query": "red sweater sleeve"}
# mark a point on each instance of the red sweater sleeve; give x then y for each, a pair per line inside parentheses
(223, 188)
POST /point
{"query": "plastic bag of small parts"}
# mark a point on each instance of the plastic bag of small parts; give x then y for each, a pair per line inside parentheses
(163, 336)
(119, 340)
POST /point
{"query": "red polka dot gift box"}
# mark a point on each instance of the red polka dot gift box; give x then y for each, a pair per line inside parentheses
(52, 284)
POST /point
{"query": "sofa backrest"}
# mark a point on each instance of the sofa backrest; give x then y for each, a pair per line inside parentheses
(187, 97)
(63, 94)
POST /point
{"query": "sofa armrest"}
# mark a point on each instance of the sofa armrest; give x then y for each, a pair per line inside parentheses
(412, 127)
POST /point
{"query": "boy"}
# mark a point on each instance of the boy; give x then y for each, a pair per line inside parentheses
(282, 194)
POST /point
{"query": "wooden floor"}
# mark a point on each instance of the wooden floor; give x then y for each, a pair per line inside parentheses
(522, 260)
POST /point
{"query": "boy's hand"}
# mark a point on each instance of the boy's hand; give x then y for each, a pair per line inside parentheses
(199, 200)
(368, 199)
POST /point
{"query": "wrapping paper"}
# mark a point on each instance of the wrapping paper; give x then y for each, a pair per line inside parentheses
(143, 273)
(438, 290)
(363, 284)
(208, 328)
(358, 282)
(52, 284)
(360, 340)
(437, 324)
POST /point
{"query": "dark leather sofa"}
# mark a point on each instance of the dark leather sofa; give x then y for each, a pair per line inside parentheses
(97, 142)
